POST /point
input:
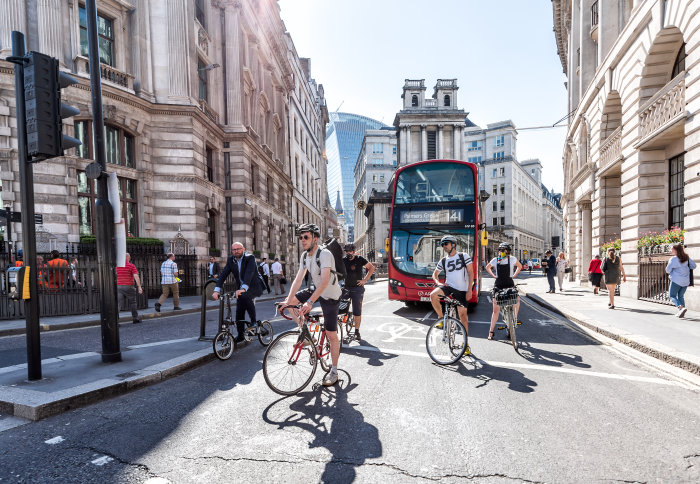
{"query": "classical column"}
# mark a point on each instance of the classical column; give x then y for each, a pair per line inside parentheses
(402, 144)
(50, 28)
(233, 64)
(457, 138)
(178, 48)
(408, 145)
(438, 141)
(13, 17)
(423, 142)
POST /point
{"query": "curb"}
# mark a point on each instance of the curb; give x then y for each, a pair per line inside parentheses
(668, 358)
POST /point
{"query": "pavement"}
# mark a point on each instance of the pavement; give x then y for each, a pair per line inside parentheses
(76, 380)
(648, 327)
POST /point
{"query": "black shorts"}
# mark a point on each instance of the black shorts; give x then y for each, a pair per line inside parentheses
(357, 293)
(459, 296)
(329, 307)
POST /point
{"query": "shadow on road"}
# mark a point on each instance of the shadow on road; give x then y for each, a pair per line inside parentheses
(334, 422)
(539, 356)
(478, 369)
(374, 357)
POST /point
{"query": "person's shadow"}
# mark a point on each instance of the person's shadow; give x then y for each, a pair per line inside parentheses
(374, 355)
(544, 357)
(478, 369)
(326, 413)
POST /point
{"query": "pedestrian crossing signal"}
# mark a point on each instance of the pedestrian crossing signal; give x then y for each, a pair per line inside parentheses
(484, 238)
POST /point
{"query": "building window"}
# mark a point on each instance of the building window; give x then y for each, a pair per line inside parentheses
(374, 178)
(679, 64)
(210, 167)
(202, 76)
(503, 205)
(105, 37)
(499, 155)
(432, 146)
(393, 150)
(474, 146)
(503, 171)
(447, 100)
(253, 178)
(381, 178)
(254, 231)
(119, 145)
(503, 189)
(388, 213)
(378, 161)
(270, 189)
(377, 148)
(474, 159)
(495, 221)
(414, 101)
(199, 14)
(495, 206)
(494, 191)
(503, 220)
(493, 173)
(676, 195)
(87, 193)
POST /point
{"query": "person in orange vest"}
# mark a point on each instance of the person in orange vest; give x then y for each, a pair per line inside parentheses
(57, 270)
(18, 262)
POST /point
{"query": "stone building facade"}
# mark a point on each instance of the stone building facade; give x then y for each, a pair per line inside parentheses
(200, 97)
(631, 155)
(374, 168)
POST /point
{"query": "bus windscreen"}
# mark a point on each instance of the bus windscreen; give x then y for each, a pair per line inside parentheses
(435, 182)
(416, 252)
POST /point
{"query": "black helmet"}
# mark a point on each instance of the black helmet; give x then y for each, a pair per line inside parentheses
(313, 228)
(349, 247)
(505, 246)
(448, 238)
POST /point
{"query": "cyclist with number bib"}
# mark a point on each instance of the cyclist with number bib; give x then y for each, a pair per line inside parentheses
(507, 267)
(459, 280)
(325, 289)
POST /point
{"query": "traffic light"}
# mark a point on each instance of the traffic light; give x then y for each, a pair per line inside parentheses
(42, 99)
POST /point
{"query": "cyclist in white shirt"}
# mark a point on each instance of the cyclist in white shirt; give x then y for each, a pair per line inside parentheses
(507, 267)
(459, 280)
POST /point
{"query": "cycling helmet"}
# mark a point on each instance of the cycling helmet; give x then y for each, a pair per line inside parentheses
(448, 238)
(505, 246)
(349, 247)
(313, 228)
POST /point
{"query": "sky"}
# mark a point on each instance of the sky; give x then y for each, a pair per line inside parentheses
(502, 52)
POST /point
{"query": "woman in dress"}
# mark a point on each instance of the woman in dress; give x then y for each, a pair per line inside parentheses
(562, 264)
(678, 270)
(595, 273)
(612, 268)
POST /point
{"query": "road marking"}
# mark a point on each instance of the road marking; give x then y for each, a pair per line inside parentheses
(55, 440)
(528, 366)
(100, 461)
(160, 343)
(427, 315)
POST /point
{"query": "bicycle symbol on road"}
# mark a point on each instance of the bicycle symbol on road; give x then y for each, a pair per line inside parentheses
(399, 330)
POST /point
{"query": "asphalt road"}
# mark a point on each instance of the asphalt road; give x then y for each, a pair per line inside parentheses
(566, 409)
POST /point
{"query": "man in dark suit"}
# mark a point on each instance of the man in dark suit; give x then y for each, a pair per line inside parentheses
(248, 281)
(214, 268)
(551, 270)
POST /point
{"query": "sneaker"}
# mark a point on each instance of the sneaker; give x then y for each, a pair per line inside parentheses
(439, 325)
(177, 308)
(681, 313)
(357, 335)
(239, 339)
(137, 321)
(157, 306)
(331, 378)
(468, 351)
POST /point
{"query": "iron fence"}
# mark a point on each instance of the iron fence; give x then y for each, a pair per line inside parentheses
(653, 280)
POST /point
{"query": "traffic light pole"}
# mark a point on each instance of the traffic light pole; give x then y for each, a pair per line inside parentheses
(26, 182)
(104, 216)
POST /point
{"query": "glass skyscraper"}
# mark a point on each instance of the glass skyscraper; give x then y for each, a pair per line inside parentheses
(344, 136)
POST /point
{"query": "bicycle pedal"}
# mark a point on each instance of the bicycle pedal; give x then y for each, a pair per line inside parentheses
(519, 323)
(500, 328)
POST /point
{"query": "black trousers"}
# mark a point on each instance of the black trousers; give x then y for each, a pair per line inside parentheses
(245, 304)
(267, 282)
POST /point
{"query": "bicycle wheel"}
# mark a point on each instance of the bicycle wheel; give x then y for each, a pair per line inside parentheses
(446, 344)
(287, 366)
(248, 331)
(224, 345)
(511, 327)
(265, 339)
(349, 322)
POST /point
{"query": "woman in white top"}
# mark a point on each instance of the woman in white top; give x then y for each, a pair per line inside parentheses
(504, 267)
(562, 264)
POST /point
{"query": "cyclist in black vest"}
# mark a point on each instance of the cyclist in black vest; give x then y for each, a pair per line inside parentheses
(507, 267)
(459, 280)
(355, 283)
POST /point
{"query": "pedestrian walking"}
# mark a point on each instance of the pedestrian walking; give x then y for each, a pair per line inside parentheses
(169, 280)
(595, 273)
(126, 276)
(612, 268)
(529, 267)
(74, 272)
(551, 271)
(265, 273)
(562, 265)
(277, 276)
(679, 269)
(214, 269)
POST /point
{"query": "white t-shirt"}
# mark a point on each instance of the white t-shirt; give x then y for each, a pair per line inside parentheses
(276, 268)
(513, 260)
(265, 268)
(332, 290)
(456, 275)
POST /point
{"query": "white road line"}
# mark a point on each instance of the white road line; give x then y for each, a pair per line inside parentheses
(160, 343)
(100, 461)
(55, 440)
(527, 366)
(427, 315)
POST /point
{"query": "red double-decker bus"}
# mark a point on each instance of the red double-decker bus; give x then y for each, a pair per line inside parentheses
(431, 199)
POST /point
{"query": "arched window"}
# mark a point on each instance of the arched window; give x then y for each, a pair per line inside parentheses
(447, 99)
(414, 101)
(679, 64)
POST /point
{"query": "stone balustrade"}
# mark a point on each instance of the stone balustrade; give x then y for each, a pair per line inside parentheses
(109, 73)
(663, 107)
(415, 83)
(431, 103)
(206, 109)
(611, 149)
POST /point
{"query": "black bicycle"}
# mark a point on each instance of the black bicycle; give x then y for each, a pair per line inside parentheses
(225, 343)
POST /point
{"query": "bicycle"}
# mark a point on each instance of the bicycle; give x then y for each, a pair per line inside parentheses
(224, 342)
(507, 299)
(447, 338)
(346, 318)
(284, 364)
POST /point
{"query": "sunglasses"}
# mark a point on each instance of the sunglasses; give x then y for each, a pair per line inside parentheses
(304, 237)
(445, 243)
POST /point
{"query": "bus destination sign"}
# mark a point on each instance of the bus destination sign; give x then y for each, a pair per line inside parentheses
(427, 216)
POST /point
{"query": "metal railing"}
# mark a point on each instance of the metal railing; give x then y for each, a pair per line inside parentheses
(653, 280)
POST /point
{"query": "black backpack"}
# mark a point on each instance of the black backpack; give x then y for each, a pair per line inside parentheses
(334, 248)
(261, 271)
